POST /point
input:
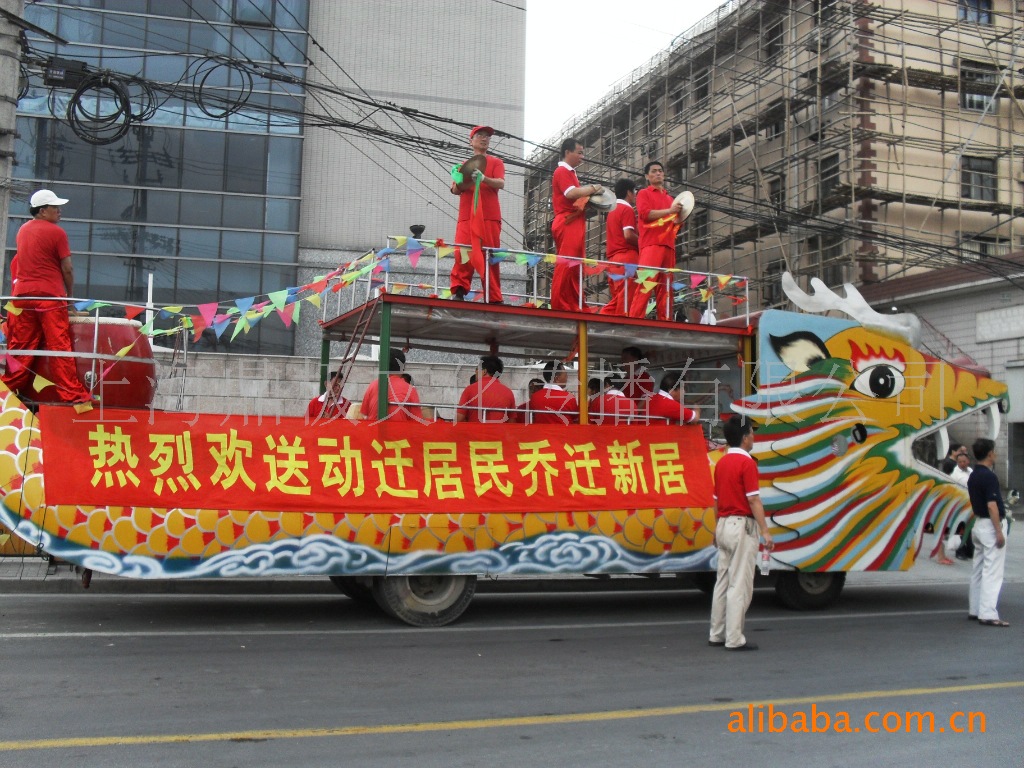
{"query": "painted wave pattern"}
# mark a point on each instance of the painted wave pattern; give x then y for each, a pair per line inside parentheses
(549, 554)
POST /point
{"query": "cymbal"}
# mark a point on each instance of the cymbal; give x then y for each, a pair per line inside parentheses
(604, 200)
(475, 163)
(685, 199)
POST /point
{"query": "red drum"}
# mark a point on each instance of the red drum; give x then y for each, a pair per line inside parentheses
(128, 381)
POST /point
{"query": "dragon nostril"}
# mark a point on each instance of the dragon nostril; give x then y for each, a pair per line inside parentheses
(860, 433)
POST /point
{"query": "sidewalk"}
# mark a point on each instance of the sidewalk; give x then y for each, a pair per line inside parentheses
(36, 575)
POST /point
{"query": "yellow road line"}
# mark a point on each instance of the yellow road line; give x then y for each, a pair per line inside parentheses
(496, 722)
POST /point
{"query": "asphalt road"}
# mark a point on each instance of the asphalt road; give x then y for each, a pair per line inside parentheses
(566, 680)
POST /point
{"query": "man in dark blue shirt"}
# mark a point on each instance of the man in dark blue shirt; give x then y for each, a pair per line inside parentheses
(989, 536)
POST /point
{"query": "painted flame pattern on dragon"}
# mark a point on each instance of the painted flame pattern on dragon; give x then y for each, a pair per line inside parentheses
(839, 405)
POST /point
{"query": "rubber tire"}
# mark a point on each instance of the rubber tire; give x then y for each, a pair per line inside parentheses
(358, 588)
(424, 601)
(809, 591)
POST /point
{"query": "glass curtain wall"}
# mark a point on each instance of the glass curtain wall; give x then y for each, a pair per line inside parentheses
(206, 202)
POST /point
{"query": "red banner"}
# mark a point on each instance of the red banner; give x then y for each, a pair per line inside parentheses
(113, 457)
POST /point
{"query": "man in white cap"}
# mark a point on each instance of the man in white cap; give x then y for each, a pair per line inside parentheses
(44, 270)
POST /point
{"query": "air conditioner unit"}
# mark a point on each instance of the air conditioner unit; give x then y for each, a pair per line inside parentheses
(818, 41)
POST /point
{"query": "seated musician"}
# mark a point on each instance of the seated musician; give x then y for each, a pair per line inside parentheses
(553, 403)
(666, 405)
(403, 399)
(611, 407)
(487, 399)
(331, 404)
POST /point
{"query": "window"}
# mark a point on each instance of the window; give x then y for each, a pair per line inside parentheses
(256, 13)
(771, 291)
(974, 247)
(976, 11)
(828, 175)
(775, 119)
(698, 226)
(653, 115)
(824, 10)
(978, 178)
(677, 102)
(701, 87)
(824, 259)
(777, 192)
(976, 76)
(773, 41)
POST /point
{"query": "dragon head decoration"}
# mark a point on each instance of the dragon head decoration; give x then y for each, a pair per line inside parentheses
(839, 406)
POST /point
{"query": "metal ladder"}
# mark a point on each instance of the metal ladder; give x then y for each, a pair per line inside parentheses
(355, 340)
(178, 367)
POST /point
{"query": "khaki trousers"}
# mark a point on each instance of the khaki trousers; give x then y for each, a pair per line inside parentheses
(737, 550)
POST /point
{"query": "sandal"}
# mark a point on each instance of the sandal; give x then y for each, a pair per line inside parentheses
(993, 623)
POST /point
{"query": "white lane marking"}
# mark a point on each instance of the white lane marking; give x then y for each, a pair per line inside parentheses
(394, 629)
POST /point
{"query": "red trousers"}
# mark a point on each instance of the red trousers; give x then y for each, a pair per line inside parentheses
(43, 325)
(468, 263)
(617, 288)
(662, 257)
(569, 231)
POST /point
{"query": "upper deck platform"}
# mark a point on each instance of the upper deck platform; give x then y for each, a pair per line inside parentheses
(476, 329)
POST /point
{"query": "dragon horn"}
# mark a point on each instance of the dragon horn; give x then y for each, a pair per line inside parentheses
(905, 325)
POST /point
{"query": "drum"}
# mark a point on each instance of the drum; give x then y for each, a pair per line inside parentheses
(128, 381)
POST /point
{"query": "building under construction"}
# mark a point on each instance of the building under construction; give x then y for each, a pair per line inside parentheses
(851, 141)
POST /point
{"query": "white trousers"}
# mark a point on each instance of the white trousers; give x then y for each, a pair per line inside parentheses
(737, 549)
(987, 570)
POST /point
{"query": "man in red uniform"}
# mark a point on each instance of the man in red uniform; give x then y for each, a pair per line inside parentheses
(403, 399)
(638, 383)
(621, 246)
(656, 212)
(487, 399)
(553, 404)
(521, 413)
(330, 405)
(740, 516)
(611, 407)
(666, 406)
(569, 228)
(479, 222)
(44, 270)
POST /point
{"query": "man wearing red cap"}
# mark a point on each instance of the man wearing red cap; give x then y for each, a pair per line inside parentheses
(44, 270)
(479, 223)
(569, 228)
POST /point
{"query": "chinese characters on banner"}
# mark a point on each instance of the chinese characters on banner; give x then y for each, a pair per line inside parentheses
(127, 458)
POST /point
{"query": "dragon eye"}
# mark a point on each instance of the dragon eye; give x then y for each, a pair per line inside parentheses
(880, 381)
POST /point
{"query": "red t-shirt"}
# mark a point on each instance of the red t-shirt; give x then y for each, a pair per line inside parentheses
(610, 408)
(403, 400)
(640, 384)
(554, 405)
(315, 409)
(564, 179)
(735, 480)
(651, 199)
(490, 394)
(495, 169)
(662, 408)
(621, 218)
(42, 245)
